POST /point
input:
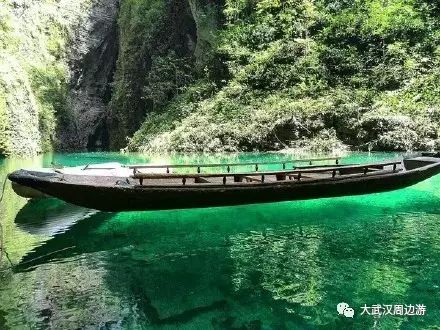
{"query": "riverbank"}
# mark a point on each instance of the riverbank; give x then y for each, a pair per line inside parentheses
(322, 128)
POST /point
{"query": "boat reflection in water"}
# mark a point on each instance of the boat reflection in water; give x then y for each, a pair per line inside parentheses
(50, 216)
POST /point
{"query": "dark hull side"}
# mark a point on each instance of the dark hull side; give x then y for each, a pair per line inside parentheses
(128, 198)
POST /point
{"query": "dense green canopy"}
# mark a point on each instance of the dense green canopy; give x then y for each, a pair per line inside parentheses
(364, 72)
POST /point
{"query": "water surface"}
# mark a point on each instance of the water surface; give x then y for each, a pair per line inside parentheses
(272, 266)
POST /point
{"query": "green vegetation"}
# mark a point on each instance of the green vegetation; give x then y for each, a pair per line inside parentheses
(226, 75)
(138, 22)
(34, 72)
(155, 61)
(4, 125)
(50, 87)
(367, 71)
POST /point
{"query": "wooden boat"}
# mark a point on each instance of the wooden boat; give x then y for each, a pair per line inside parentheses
(155, 191)
(112, 169)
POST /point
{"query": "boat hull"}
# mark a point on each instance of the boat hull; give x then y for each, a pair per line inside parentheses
(136, 198)
(27, 192)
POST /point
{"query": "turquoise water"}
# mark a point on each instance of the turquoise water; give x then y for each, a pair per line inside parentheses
(273, 266)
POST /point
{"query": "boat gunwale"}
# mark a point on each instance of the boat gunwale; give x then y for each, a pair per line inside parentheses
(303, 181)
(230, 185)
(322, 169)
(345, 177)
(95, 179)
(361, 177)
(150, 166)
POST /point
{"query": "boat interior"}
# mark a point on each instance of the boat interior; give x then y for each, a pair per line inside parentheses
(232, 174)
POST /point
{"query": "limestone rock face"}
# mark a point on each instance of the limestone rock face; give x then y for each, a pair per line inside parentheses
(92, 54)
(58, 60)
(56, 64)
(150, 33)
(156, 35)
(207, 15)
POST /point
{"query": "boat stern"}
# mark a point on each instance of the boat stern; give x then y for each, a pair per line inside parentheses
(413, 163)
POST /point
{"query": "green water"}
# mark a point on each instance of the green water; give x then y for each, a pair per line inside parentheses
(274, 266)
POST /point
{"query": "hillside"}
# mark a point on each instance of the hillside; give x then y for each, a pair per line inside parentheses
(283, 72)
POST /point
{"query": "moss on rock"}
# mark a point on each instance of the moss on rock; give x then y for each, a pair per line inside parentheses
(34, 71)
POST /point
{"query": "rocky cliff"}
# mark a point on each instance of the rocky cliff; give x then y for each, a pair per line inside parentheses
(92, 54)
(30, 39)
(84, 75)
(163, 47)
(56, 66)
